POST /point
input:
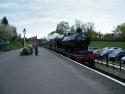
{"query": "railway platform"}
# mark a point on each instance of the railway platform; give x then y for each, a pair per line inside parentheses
(50, 73)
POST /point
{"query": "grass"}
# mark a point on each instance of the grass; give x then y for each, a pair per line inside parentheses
(15, 45)
(101, 44)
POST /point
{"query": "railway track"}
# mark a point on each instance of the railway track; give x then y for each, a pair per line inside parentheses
(112, 65)
(112, 72)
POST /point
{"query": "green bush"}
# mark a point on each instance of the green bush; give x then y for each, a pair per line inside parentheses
(15, 45)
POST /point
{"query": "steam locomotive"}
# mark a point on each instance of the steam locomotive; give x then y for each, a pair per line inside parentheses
(74, 46)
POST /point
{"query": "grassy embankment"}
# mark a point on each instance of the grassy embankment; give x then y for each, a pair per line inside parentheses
(15, 45)
(101, 44)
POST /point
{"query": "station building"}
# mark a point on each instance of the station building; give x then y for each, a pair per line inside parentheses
(4, 44)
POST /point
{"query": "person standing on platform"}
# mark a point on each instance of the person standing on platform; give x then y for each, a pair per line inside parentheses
(36, 49)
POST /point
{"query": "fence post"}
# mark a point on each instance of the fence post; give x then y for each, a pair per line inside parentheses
(113, 62)
(120, 64)
(107, 61)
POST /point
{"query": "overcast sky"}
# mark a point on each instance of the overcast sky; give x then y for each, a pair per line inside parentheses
(40, 17)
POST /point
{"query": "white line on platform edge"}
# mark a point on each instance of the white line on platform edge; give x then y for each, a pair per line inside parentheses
(93, 70)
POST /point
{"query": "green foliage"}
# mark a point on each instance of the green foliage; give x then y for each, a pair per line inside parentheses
(72, 29)
(6, 30)
(60, 32)
(120, 29)
(108, 36)
(51, 33)
(102, 44)
(62, 28)
(4, 21)
(14, 44)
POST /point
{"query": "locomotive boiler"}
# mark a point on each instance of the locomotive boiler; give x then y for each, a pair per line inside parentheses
(77, 41)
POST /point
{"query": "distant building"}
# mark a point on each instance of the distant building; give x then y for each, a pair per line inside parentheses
(4, 44)
(33, 40)
(117, 35)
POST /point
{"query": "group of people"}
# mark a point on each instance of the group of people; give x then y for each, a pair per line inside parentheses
(34, 48)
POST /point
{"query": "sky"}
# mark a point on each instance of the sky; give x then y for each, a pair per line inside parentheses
(41, 17)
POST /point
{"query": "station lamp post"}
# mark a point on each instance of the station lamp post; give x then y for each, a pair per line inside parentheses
(24, 32)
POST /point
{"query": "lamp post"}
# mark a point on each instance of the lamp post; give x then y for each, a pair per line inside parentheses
(24, 32)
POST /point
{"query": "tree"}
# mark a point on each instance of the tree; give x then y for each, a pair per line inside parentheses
(4, 21)
(121, 30)
(108, 36)
(51, 33)
(88, 29)
(72, 29)
(62, 27)
(7, 30)
(78, 24)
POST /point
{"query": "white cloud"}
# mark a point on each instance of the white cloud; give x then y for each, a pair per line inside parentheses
(41, 16)
(7, 5)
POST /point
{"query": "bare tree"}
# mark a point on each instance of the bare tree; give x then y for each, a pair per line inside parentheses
(78, 24)
(88, 27)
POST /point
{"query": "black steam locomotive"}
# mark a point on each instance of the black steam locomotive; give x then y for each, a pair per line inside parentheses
(74, 46)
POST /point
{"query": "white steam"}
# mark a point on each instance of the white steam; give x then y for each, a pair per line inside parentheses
(53, 36)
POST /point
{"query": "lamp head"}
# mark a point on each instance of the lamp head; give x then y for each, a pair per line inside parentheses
(24, 31)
